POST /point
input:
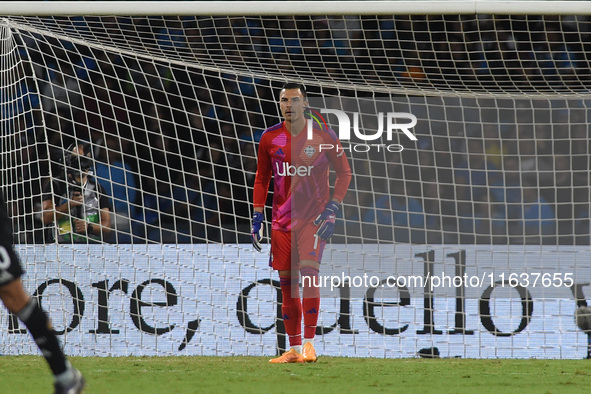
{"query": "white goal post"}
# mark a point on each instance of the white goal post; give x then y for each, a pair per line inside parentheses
(474, 239)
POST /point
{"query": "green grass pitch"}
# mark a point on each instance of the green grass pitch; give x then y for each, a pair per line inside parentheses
(30, 374)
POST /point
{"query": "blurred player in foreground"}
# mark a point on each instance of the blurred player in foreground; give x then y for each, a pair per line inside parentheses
(303, 212)
(68, 380)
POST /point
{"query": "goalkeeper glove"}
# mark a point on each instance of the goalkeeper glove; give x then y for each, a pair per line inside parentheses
(325, 221)
(257, 230)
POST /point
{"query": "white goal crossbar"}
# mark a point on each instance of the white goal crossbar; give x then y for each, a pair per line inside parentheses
(219, 8)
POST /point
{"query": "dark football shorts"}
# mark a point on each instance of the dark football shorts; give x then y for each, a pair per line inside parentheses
(10, 265)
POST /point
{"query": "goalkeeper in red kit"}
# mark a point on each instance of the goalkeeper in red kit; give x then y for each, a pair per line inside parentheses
(303, 212)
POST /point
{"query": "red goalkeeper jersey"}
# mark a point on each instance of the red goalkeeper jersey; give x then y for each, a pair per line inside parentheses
(300, 168)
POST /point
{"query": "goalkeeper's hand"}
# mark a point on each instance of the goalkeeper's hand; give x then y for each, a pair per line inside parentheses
(256, 232)
(325, 221)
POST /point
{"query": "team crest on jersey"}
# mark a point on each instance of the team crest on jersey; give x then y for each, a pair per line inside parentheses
(309, 151)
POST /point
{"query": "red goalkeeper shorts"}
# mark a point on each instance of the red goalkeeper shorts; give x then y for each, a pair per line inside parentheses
(289, 248)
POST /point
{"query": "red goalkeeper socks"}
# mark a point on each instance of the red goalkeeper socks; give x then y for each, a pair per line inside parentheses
(291, 309)
(311, 300)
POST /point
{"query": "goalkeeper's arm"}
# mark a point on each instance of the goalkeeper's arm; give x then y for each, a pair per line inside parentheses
(260, 190)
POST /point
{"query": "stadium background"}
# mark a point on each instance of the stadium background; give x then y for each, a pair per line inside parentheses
(465, 180)
(175, 107)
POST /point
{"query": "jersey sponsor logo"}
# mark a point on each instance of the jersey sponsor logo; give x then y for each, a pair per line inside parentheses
(286, 169)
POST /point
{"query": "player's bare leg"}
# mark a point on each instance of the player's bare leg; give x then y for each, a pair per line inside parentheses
(13, 296)
(67, 379)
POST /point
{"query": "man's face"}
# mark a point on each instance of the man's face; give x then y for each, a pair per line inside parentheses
(292, 104)
(79, 165)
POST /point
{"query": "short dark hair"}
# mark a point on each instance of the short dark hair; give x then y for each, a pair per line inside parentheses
(296, 85)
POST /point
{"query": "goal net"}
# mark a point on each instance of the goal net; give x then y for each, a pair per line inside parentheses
(472, 238)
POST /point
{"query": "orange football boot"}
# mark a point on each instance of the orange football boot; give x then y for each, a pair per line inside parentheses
(291, 356)
(309, 353)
